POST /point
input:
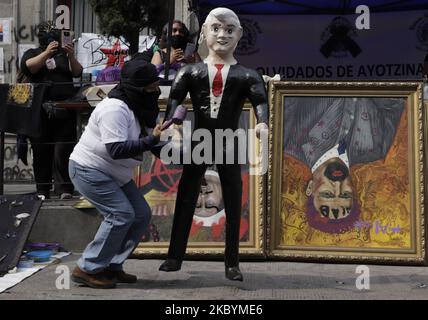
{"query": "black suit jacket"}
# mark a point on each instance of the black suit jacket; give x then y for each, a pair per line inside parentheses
(241, 83)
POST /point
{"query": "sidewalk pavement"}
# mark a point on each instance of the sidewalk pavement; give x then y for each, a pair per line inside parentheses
(205, 280)
(262, 280)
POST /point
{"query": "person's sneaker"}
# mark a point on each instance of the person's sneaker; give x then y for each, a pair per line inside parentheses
(120, 276)
(97, 281)
(66, 196)
(43, 195)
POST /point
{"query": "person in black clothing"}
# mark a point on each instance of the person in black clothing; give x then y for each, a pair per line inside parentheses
(179, 40)
(51, 149)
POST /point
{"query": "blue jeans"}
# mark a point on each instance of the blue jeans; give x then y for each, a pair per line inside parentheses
(126, 216)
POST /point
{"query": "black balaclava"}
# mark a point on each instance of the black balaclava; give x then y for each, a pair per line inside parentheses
(135, 75)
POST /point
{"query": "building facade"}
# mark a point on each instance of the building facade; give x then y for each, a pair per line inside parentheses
(19, 20)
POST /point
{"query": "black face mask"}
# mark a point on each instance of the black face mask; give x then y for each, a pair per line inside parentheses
(47, 37)
(149, 108)
(178, 42)
(336, 171)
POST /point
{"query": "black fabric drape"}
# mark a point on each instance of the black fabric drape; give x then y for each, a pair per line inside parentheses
(20, 111)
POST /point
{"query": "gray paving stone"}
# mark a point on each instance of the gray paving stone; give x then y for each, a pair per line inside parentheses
(262, 280)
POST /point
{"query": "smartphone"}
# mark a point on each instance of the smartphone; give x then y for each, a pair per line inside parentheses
(190, 48)
(66, 37)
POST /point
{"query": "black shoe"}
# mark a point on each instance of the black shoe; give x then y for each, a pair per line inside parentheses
(233, 273)
(170, 265)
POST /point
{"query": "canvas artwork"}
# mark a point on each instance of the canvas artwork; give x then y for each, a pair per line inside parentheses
(159, 182)
(351, 172)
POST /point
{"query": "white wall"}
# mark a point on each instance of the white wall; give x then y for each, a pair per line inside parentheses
(25, 16)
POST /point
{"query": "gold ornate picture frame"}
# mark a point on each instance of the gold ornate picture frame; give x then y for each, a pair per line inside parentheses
(347, 172)
(159, 182)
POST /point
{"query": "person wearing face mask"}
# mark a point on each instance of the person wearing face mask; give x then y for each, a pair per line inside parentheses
(179, 40)
(121, 127)
(56, 66)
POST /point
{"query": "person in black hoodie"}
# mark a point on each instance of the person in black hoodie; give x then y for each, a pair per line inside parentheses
(101, 166)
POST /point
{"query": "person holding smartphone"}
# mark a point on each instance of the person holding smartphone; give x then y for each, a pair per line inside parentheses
(56, 67)
(180, 40)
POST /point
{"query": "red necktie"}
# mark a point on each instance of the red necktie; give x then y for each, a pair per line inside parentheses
(218, 81)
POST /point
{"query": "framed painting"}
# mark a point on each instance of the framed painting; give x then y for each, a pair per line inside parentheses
(159, 182)
(347, 172)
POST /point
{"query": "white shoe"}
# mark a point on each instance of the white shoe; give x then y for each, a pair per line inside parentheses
(66, 196)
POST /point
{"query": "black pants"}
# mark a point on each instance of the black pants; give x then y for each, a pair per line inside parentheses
(51, 152)
(187, 197)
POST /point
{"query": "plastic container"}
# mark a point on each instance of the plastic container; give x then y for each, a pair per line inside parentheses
(36, 246)
(40, 255)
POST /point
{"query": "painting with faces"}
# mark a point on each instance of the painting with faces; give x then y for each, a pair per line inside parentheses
(159, 183)
(347, 172)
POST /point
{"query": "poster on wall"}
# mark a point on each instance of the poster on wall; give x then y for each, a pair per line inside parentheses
(5, 31)
(145, 42)
(96, 52)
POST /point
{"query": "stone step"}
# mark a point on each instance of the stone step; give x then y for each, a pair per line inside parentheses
(60, 222)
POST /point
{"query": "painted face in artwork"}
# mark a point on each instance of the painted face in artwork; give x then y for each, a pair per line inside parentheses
(222, 36)
(210, 199)
(332, 206)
